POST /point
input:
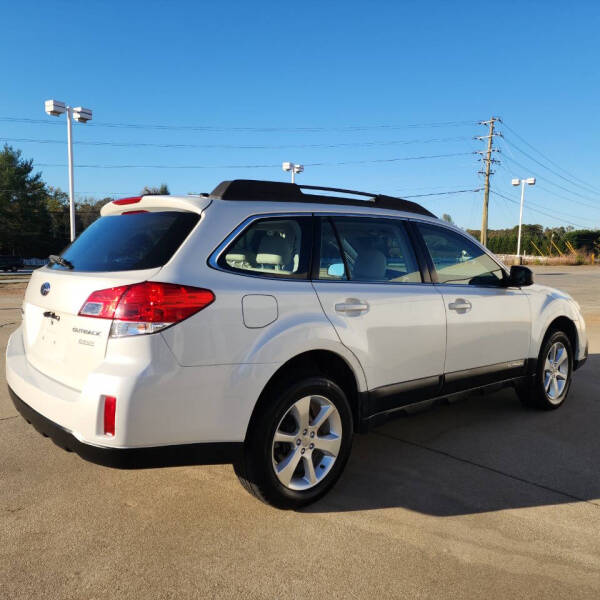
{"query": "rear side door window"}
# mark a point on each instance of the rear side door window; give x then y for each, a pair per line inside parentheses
(271, 247)
(458, 260)
(331, 264)
(367, 249)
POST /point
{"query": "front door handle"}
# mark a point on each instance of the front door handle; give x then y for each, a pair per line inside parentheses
(460, 305)
(351, 305)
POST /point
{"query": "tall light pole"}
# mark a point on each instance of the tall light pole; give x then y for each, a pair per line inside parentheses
(82, 115)
(522, 182)
(290, 166)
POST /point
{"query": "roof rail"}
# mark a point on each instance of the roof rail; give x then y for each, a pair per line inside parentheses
(277, 191)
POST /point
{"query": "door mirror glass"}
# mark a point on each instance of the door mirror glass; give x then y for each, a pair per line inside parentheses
(520, 276)
(336, 270)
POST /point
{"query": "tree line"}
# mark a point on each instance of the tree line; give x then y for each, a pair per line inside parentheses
(536, 240)
(34, 216)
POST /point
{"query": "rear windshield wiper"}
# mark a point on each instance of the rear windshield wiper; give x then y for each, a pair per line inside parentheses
(59, 260)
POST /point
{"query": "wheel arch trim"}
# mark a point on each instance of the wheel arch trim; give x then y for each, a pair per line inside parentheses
(304, 358)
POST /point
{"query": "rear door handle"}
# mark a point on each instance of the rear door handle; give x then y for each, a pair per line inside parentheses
(460, 304)
(351, 305)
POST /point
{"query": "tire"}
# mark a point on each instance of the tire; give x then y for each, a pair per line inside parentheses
(552, 381)
(313, 422)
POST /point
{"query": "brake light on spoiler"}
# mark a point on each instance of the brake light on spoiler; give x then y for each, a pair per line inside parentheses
(131, 200)
(145, 307)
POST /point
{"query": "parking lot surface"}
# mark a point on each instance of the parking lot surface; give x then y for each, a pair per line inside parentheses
(477, 499)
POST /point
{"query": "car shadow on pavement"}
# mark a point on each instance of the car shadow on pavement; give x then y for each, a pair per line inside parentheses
(482, 453)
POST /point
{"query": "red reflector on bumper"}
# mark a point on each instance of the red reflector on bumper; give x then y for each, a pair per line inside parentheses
(110, 408)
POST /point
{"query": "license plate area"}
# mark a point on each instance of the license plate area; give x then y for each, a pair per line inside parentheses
(51, 339)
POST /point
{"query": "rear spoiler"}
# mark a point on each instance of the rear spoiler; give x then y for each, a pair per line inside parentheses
(154, 204)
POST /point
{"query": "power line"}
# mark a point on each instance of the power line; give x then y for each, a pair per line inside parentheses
(547, 158)
(238, 146)
(215, 128)
(562, 187)
(545, 189)
(553, 193)
(533, 209)
(539, 211)
(263, 166)
(77, 194)
(513, 160)
(443, 193)
(558, 212)
(505, 208)
(554, 172)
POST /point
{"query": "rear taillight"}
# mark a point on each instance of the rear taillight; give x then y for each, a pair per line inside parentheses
(110, 409)
(145, 307)
(103, 303)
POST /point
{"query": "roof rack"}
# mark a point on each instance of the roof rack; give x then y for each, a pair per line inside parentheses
(276, 191)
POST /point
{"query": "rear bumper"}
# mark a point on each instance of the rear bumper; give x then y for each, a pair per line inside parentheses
(130, 458)
(159, 403)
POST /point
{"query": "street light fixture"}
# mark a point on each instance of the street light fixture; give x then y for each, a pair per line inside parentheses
(81, 115)
(522, 182)
(290, 166)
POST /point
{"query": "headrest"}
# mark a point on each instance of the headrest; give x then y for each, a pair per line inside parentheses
(273, 250)
(370, 265)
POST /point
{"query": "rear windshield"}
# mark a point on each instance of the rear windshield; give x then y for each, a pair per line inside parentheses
(129, 242)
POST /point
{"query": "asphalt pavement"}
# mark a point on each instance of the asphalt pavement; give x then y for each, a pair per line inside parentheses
(477, 499)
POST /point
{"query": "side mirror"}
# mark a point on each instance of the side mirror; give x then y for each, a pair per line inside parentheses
(520, 276)
(336, 270)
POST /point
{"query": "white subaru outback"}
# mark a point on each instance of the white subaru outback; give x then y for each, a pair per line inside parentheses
(265, 323)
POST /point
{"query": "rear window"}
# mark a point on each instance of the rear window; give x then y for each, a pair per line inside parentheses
(129, 242)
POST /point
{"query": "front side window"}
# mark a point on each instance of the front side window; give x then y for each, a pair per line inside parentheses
(372, 249)
(458, 260)
(273, 247)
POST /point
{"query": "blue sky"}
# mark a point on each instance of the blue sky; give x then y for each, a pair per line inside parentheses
(315, 82)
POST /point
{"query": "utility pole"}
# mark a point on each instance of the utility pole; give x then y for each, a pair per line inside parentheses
(488, 160)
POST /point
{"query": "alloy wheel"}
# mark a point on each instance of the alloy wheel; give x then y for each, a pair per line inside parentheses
(556, 372)
(306, 442)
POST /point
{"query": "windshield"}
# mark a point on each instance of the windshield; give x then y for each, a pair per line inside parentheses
(129, 242)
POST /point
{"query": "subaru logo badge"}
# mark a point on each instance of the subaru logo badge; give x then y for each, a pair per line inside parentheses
(45, 289)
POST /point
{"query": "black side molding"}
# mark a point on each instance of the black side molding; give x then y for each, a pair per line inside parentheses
(400, 394)
(383, 402)
(131, 458)
(480, 376)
